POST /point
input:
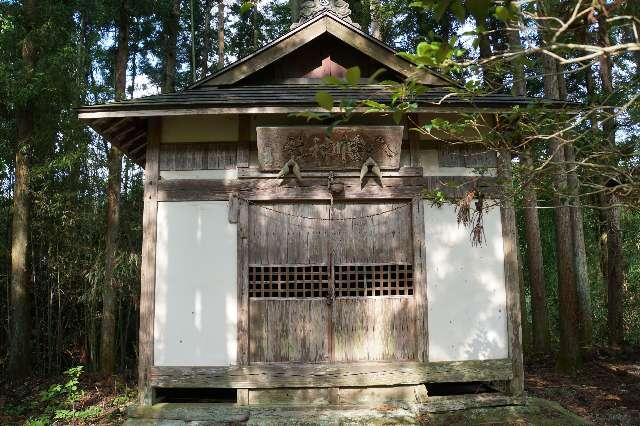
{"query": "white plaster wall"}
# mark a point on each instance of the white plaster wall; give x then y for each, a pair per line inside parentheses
(195, 301)
(465, 288)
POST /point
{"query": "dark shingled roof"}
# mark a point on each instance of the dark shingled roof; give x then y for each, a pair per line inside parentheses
(303, 96)
(127, 128)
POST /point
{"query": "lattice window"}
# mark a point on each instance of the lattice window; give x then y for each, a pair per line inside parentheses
(381, 279)
(288, 281)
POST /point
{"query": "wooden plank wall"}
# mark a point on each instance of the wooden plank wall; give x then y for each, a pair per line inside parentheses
(198, 156)
(453, 155)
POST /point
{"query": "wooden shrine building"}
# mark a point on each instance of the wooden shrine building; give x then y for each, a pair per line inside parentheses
(271, 271)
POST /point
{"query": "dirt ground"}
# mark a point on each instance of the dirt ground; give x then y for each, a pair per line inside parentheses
(605, 392)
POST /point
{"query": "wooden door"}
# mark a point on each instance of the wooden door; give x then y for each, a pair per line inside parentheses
(372, 256)
(289, 278)
(331, 283)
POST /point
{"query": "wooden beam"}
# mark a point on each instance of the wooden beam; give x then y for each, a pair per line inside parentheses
(316, 188)
(420, 280)
(125, 146)
(148, 266)
(384, 55)
(509, 236)
(292, 375)
(254, 173)
(263, 58)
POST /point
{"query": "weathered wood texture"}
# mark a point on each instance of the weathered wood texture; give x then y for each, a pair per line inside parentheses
(420, 280)
(344, 148)
(148, 266)
(380, 233)
(459, 155)
(198, 156)
(374, 329)
(404, 170)
(291, 375)
(279, 236)
(244, 141)
(346, 328)
(289, 330)
(316, 188)
(340, 396)
(509, 236)
(244, 223)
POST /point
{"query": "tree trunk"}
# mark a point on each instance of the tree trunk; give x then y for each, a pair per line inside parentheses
(19, 362)
(615, 268)
(579, 252)
(375, 26)
(193, 39)
(108, 328)
(171, 39)
(220, 34)
(539, 315)
(569, 358)
(206, 39)
(519, 88)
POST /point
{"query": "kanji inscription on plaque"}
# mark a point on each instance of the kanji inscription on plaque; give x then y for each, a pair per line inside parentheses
(313, 148)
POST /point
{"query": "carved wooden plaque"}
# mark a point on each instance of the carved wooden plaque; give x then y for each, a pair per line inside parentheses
(315, 149)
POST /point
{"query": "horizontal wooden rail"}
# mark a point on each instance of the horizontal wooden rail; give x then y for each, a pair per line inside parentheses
(401, 187)
(290, 375)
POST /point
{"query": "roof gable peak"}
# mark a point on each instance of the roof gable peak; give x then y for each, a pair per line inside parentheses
(325, 22)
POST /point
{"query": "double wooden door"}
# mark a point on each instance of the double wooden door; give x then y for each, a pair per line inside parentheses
(332, 283)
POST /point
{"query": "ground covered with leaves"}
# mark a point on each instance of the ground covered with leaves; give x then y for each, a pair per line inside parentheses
(74, 398)
(605, 392)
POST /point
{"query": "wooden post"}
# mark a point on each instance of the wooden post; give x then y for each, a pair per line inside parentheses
(243, 292)
(244, 141)
(148, 267)
(509, 236)
(420, 280)
(414, 140)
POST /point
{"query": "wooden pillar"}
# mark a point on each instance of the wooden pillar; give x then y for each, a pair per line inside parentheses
(148, 267)
(509, 236)
(244, 141)
(420, 280)
(243, 292)
(414, 140)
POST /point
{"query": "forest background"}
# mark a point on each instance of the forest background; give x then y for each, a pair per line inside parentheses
(71, 206)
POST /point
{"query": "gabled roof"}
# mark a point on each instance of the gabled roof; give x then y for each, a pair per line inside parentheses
(243, 88)
(326, 22)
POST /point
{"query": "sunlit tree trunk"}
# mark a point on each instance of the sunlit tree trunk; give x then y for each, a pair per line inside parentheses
(220, 34)
(206, 38)
(114, 163)
(19, 362)
(375, 26)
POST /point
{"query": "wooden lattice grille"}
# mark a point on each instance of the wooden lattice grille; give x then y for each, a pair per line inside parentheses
(288, 281)
(312, 281)
(381, 279)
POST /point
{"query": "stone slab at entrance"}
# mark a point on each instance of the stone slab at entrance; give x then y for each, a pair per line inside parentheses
(447, 411)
